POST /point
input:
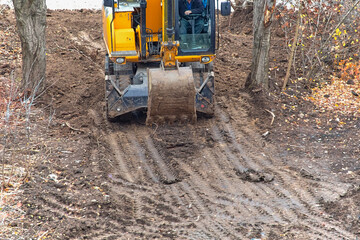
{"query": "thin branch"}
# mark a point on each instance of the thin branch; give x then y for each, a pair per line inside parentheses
(295, 41)
(273, 116)
(328, 39)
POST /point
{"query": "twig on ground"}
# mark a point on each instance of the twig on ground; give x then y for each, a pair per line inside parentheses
(72, 128)
(156, 127)
(42, 235)
(273, 116)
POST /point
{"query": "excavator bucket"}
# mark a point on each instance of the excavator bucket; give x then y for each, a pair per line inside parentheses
(171, 96)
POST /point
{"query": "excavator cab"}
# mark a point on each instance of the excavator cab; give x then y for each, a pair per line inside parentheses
(152, 66)
(195, 42)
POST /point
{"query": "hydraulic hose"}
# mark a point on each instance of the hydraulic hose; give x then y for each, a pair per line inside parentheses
(170, 27)
(143, 4)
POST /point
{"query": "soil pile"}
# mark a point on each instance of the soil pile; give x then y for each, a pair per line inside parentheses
(241, 21)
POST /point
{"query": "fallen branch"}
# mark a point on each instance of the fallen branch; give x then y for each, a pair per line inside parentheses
(273, 116)
(42, 235)
(156, 127)
(72, 128)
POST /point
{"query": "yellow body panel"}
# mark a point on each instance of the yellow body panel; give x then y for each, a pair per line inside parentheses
(122, 34)
(124, 40)
(122, 20)
(106, 30)
(153, 15)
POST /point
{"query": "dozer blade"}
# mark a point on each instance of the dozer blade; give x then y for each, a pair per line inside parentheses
(171, 96)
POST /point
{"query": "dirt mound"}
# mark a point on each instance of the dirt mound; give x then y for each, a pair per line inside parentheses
(240, 21)
(74, 65)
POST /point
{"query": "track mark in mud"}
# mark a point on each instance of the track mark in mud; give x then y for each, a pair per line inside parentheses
(301, 204)
(167, 176)
(225, 186)
(96, 118)
(131, 158)
(193, 195)
(207, 196)
(203, 213)
(118, 155)
(227, 162)
(59, 209)
(141, 155)
(223, 145)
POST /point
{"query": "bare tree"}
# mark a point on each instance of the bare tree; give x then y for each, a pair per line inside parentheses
(31, 24)
(263, 14)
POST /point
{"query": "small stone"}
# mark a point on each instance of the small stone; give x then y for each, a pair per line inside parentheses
(326, 96)
(350, 82)
(53, 177)
(354, 93)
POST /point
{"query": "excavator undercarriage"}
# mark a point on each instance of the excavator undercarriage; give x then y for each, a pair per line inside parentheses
(168, 95)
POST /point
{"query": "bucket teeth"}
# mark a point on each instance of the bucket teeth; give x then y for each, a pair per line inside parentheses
(171, 96)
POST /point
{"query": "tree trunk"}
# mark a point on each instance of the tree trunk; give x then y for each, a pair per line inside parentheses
(263, 11)
(31, 24)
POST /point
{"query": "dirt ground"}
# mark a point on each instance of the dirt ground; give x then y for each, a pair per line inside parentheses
(234, 176)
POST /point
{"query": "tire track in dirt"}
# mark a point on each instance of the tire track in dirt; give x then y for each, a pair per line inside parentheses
(137, 193)
(195, 202)
(231, 203)
(193, 173)
(252, 190)
(224, 183)
(141, 155)
(61, 210)
(229, 147)
(228, 187)
(235, 140)
(309, 208)
(208, 198)
(155, 169)
(156, 159)
(167, 174)
(124, 170)
(174, 197)
(135, 157)
(202, 213)
(308, 201)
(315, 220)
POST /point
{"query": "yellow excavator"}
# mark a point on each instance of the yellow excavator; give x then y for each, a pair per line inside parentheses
(153, 65)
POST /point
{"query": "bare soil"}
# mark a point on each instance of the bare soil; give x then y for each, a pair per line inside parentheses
(221, 178)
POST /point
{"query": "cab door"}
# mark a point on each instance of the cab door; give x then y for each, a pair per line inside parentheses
(191, 42)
